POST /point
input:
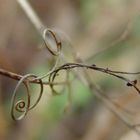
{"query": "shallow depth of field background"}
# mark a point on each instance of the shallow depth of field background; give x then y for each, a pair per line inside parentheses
(103, 32)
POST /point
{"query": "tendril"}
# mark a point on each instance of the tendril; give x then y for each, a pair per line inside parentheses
(116, 74)
(48, 45)
(23, 106)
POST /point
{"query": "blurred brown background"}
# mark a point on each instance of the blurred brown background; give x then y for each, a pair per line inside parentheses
(105, 32)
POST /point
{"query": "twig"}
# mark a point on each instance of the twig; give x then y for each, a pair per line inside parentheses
(68, 66)
(33, 17)
(15, 76)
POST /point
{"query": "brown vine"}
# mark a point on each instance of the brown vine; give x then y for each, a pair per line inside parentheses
(23, 107)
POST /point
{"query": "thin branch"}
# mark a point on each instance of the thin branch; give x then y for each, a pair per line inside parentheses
(33, 17)
(17, 77)
(94, 67)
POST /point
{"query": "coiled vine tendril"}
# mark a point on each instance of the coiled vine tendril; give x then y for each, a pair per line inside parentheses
(23, 107)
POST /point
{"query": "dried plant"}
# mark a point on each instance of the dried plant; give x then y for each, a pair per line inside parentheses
(23, 107)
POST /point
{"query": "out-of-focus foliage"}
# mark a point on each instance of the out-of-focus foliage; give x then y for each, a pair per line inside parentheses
(105, 32)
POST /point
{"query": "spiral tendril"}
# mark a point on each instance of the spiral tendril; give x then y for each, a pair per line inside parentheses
(22, 106)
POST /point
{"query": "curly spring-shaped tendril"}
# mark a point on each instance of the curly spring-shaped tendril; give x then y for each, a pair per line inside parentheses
(22, 106)
(48, 45)
(54, 52)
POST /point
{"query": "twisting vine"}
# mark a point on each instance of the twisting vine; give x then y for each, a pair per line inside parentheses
(68, 66)
(23, 107)
(20, 108)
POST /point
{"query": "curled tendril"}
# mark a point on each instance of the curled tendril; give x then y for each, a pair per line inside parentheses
(117, 74)
(51, 80)
(48, 45)
(22, 106)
